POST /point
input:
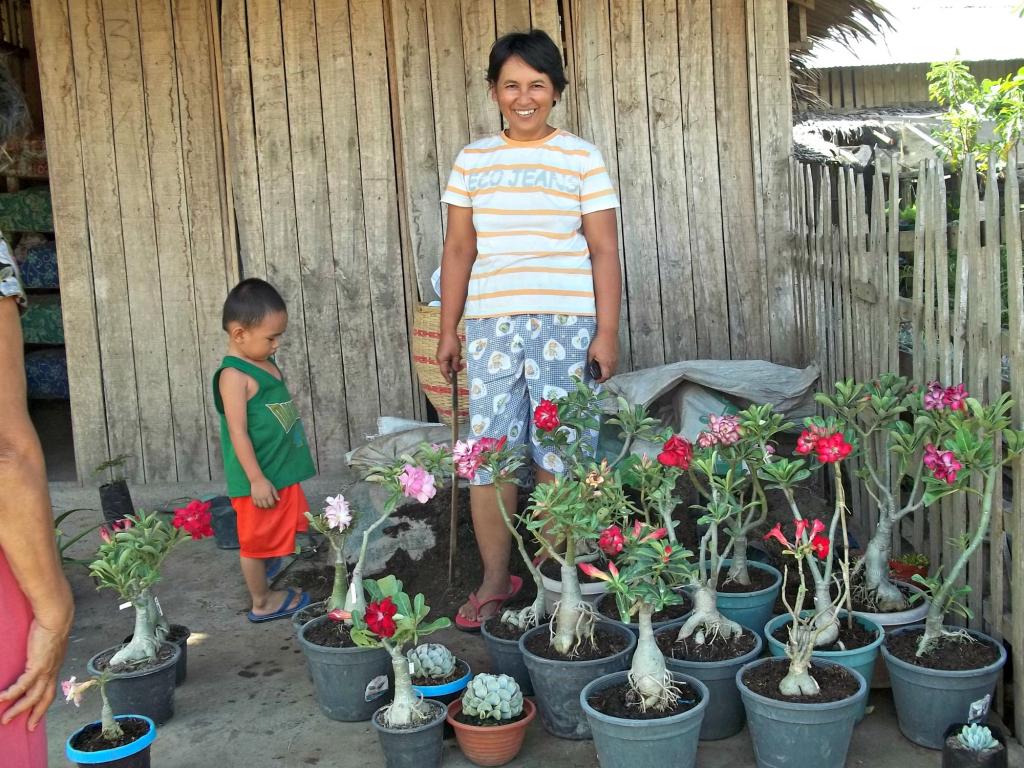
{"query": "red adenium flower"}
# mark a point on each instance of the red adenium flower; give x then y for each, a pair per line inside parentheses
(194, 519)
(806, 442)
(832, 448)
(820, 545)
(545, 416)
(801, 526)
(380, 617)
(611, 540)
(943, 464)
(776, 533)
(676, 452)
(338, 615)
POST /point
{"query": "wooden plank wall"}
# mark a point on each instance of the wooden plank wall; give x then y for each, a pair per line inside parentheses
(144, 243)
(892, 84)
(850, 283)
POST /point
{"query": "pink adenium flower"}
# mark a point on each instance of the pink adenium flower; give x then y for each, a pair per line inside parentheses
(337, 513)
(338, 615)
(467, 457)
(943, 464)
(74, 691)
(806, 442)
(934, 399)
(194, 519)
(611, 540)
(955, 397)
(776, 533)
(417, 483)
(596, 573)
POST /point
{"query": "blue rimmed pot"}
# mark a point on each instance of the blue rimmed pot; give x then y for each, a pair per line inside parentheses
(860, 659)
(786, 733)
(725, 715)
(132, 755)
(651, 743)
(928, 701)
(147, 692)
(557, 683)
(446, 693)
(750, 609)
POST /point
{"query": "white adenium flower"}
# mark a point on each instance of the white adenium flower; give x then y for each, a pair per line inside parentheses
(73, 690)
(337, 512)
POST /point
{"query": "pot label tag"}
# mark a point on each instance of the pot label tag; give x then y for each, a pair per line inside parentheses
(159, 610)
(979, 709)
(376, 687)
(122, 606)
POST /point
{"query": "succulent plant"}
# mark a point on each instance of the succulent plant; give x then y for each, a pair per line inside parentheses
(976, 738)
(431, 660)
(492, 697)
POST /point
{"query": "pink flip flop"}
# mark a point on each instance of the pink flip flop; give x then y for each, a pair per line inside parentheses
(473, 625)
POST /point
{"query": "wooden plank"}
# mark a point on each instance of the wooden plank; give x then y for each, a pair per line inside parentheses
(117, 350)
(707, 246)
(544, 14)
(512, 16)
(70, 219)
(636, 192)
(448, 86)
(593, 58)
(478, 32)
(1015, 330)
(744, 264)
(816, 181)
(242, 138)
(391, 315)
(142, 262)
(277, 195)
(668, 158)
(420, 166)
(843, 275)
(348, 230)
(774, 132)
(893, 265)
(313, 223)
(202, 151)
(170, 215)
(828, 254)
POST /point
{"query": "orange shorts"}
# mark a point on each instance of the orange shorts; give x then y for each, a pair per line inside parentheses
(271, 532)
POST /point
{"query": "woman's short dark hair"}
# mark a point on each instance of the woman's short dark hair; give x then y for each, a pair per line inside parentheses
(535, 48)
(250, 302)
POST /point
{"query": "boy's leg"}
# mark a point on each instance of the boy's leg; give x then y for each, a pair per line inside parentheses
(267, 531)
(264, 599)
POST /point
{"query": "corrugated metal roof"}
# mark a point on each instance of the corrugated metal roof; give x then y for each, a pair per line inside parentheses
(972, 30)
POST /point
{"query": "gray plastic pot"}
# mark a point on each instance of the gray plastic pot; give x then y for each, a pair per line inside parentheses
(149, 692)
(418, 747)
(507, 659)
(557, 684)
(786, 733)
(725, 714)
(624, 743)
(928, 701)
(341, 675)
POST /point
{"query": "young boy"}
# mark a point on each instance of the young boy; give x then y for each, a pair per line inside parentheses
(266, 455)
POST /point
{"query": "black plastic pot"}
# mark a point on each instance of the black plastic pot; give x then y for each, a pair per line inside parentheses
(116, 501)
(955, 756)
(148, 692)
(134, 755)
(222, 515)
(179, 635)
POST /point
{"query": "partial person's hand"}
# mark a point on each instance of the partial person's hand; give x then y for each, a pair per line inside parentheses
(604, 348)
(449, 355)
(36, 688)
(264, 494)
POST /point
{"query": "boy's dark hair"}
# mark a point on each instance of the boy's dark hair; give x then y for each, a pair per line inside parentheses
(535, 48)
(250, 301)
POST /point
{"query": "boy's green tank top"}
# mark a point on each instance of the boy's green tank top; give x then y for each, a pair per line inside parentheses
(275, 429)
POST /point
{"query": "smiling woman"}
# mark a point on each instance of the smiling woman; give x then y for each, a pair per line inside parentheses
(531, 260)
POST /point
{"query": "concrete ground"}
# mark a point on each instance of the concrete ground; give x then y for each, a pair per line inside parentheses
(248, 700)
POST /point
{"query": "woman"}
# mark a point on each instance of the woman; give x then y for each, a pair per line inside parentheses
(531, 259)
(35, 601)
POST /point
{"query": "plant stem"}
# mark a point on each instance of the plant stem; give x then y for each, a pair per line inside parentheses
(648, 676)
(340, 588)
(144, 644)
(407, 708)
(111, 729)
(355, 601)
(531, 616)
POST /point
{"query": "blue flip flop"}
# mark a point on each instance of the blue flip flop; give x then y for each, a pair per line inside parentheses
(284, 610)
(274, 566)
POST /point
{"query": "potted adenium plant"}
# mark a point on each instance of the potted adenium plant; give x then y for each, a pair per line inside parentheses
(335, 522)
(410, 727)
(345, 673)
(490, 719)
(975, 443)
(782, 696)
(123, 740)
(667, 706)
(143, 673)
(115, 495)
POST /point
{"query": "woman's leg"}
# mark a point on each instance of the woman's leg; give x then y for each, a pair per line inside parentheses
(494, 542)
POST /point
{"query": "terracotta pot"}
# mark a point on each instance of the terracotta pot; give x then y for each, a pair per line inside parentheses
(906, 571)
(491, 744)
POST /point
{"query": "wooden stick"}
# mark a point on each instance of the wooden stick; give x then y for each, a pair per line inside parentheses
(453, 522)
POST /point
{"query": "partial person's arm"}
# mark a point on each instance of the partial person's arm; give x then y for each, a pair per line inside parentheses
(602, 240)
(235, 394)
(27, 536)
(456, 265)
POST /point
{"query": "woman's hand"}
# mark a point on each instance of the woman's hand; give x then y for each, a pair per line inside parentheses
(605, 350)
(34, 690)
(449, 355)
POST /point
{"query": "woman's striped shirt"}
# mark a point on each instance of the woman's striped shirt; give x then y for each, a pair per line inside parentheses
(528, 200)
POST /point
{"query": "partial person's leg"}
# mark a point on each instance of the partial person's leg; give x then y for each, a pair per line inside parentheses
(259, 540)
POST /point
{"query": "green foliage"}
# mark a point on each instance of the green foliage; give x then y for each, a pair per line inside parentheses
(652, 567)
(130, 559)
(410, 620)
(114, 467)
(915, 559)
(945, 597)
(64, 544)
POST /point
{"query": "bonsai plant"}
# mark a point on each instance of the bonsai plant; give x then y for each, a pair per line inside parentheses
(110, 740)
(129, 561)
(976, 442)
(490, 719)
(115, 496)
(392, 621)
